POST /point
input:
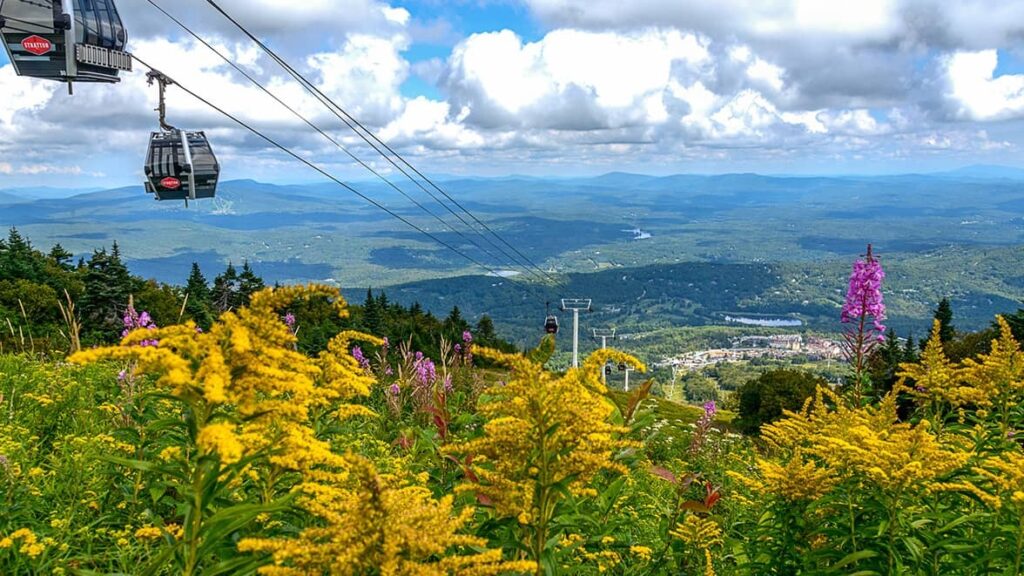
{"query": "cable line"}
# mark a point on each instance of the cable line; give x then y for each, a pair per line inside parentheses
(331, 139)
(323, 172)
(373, 141)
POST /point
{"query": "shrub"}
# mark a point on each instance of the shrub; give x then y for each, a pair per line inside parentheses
(764, 399)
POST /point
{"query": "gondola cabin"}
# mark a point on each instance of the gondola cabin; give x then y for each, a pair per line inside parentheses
(65, 40)
(551, 325)
(180, 165)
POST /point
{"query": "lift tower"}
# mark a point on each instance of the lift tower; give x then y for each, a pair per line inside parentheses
(576, 304)
(604, 334)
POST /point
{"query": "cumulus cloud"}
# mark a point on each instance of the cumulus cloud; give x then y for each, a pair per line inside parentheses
(977, 93)
(570, 79)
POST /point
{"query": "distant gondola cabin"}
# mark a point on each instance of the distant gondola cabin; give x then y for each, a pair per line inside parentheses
(180, 165)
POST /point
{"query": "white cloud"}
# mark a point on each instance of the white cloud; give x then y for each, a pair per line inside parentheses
(38, 169)
(766, 73)
(977, 93)
(365, 75)
(428, 123)
(570, 78)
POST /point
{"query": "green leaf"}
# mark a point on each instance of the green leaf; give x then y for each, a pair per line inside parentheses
(854, 557)
(157, 492)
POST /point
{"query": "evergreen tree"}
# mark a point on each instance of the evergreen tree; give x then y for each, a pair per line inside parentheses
(371, 314)
(1016, 322)
(199, 304)
(119, 273)
(384, 312)
(455, 324)
(16, 259)
(484, 332)
(910, 351)
(944, 314)
(885, 364)
(107, 288)
(61, 257)
(249, 283)
(226, 288)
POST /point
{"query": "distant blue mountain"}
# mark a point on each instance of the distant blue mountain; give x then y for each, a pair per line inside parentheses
(46, 192)
(986, 171)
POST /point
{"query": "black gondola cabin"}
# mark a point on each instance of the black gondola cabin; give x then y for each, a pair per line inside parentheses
(551, 325)
(180, 165)
(65, 40)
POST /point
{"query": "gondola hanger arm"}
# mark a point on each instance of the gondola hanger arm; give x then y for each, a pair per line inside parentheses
(162, 82)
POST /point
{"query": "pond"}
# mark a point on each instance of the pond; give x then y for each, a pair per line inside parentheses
(765, 322)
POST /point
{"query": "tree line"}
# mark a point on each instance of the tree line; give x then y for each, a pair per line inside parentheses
(38, 289)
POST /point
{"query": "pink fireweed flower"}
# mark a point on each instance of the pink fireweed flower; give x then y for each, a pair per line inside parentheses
(710, 409)
(395, 389)
(863, 312)
(132, 321)
(426, 371)
(864, 295)
(289, 320)
(467, 337)
(364, 362)
(448, 387)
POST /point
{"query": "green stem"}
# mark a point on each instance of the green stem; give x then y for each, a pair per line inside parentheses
(853, 529)
(892, 536)
(196, 523)
(1020, 548)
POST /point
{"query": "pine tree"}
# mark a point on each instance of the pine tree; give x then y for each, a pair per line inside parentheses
(910, 350)
(249, 283)
(371, 314)
(119, 273)
(61, 257)
(944, 314)
(16, 259)
(198, 305)
(107, 287)
(455, 324)
(886, 363)
(226, 288)
(484, 332)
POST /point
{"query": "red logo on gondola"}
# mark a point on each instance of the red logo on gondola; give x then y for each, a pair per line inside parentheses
(37, 45)
(170, 183)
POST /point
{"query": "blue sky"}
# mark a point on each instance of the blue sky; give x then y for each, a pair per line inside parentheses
(557, 87)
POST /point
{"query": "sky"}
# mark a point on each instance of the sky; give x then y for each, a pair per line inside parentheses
(552, 88)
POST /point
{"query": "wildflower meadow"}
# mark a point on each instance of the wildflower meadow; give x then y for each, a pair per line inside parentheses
(232, 449)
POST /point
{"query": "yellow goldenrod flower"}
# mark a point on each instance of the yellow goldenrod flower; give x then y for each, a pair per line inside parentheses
(148, 532)
(381, 523)
(641, 552)
(221, 439)
(698, 532)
